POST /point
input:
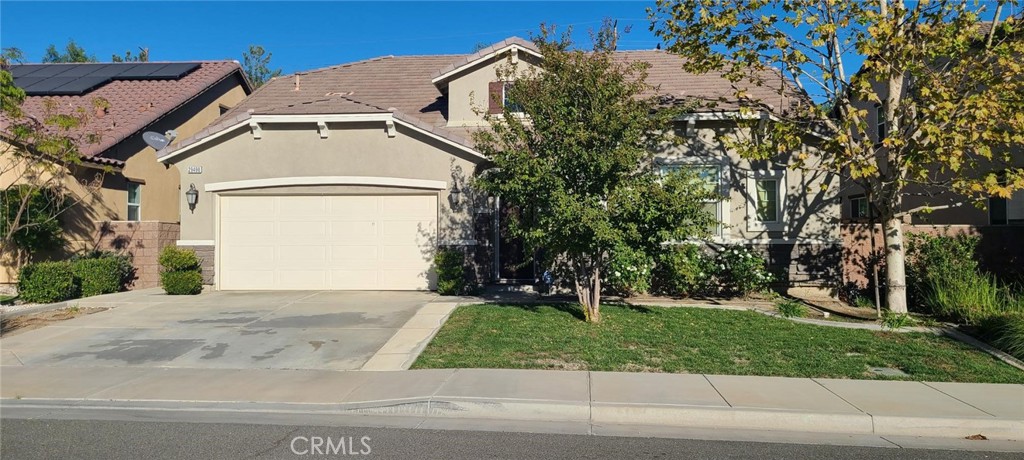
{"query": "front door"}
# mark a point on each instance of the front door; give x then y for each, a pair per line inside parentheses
(514, 264)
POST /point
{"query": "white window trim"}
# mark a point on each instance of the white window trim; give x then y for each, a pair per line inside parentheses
(724, 208)
(129, 204)
(753, 223)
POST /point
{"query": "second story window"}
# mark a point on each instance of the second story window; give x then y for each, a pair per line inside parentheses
(134, 201)
(500, 98)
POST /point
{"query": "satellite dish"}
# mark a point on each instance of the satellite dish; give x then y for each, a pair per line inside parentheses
(156, 140)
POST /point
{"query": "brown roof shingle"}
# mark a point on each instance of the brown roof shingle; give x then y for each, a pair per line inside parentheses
(402, 85)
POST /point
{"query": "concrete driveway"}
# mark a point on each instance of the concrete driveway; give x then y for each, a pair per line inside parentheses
(232, 330)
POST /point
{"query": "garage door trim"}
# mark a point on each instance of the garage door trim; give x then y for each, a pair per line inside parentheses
(327, 180)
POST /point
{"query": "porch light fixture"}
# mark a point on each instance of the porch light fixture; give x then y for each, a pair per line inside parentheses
(192, 197)
(455, 193)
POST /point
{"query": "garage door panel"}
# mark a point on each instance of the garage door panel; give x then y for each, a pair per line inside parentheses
(302, 207)
(247, 279)
(344, 208)
(248, 256)
(302, 279)
(242, 229)
(302, 257)
(328, 242)
(364, 231)
(250, 208)
(401, 206)
(354, 256)
(301, 229)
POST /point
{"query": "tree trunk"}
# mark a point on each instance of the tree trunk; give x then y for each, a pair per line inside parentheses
(588, 292)
(895, 264)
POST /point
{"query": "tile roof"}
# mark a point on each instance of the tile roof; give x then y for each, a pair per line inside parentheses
(402, 85)
(134, 104)
(465, 60)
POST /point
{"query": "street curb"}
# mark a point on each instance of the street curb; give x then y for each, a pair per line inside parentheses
(596, 413)
(731, 418)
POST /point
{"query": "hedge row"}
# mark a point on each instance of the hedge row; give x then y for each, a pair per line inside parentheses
(83, 276)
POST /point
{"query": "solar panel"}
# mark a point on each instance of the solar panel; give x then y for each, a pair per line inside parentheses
(82, 70)
(78, 85)
(175, 71)
(79, 78)
(51, 70)
(25, 82)
(24, 70)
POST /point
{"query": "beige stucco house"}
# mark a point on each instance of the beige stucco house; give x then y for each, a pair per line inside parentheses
(350, 177)
(135, 209)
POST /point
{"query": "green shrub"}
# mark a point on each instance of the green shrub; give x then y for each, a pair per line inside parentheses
(450, 265)
(628, 272)
(47, 282)
(683, 271)
(892, 320)
(944, 277)
(965, 300)
(175, 259)
(791, 309)
(742, 271)
(1006, 332)
(186, 282)
(97, 276)
(125, 269)
(180, 271)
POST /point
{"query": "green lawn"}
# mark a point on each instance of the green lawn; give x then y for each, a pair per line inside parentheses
(694, 340)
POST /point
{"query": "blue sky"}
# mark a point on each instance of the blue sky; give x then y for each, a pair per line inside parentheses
(301, 35)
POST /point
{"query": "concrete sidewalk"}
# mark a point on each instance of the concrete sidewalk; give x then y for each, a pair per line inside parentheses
(892, 408)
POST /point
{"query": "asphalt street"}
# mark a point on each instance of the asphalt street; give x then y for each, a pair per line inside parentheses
(118, 439)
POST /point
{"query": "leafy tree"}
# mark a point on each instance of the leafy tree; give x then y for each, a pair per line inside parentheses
(41, 167)
(143, 56)
(256, 63)
(949, 90)
(72, 53)
(573, 154)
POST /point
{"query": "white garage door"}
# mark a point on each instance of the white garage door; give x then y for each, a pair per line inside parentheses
(327, 242)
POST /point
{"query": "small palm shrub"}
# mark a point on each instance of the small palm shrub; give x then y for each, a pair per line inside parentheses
(892, 320)
(451, 271)
(180, 271)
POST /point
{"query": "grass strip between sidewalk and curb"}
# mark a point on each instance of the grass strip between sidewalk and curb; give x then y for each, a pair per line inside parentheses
(695, 340)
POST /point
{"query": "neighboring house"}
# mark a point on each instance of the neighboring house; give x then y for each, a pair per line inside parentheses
(350, 177)
(999, 221)
(136, 208)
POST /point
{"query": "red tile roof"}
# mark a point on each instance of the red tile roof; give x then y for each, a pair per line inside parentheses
(134, 104)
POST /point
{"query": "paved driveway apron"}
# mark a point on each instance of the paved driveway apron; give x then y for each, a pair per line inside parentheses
(234, 330)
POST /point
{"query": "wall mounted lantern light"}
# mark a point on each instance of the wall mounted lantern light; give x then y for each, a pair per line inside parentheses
(192, 197)
(455, 193)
